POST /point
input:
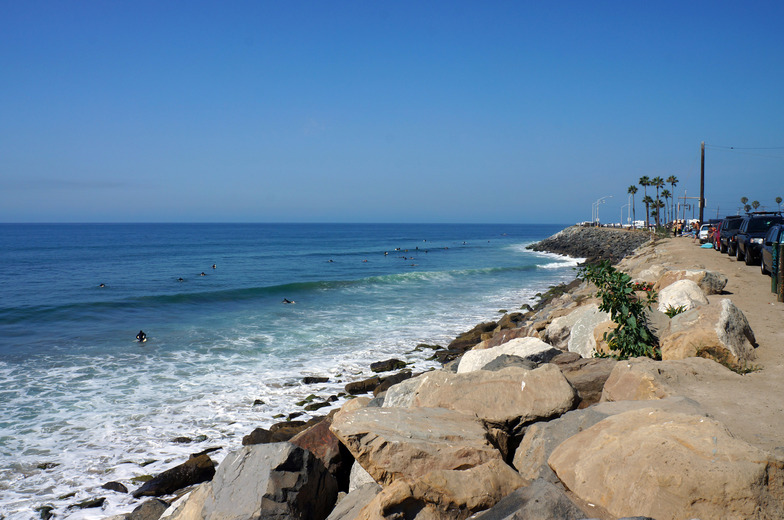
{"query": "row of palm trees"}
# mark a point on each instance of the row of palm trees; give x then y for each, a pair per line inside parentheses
(755, 204)
(653, 206)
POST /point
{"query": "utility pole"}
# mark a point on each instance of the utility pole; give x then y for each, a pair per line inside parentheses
(702, 180)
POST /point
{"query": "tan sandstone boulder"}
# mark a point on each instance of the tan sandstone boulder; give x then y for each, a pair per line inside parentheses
(710, 282)
(669, 466)
(444, 494)
(511, 396)
(394, 443)
(641, 379)
(718, 330)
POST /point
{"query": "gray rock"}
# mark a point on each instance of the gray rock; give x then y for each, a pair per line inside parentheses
(387, 365)
(581, 339)
(524, 347)
(359, 477)
(683, 293)
(508, 360)
(149, 510)
(271, 481)
(541, 500)
(350, 506)
(195, 470)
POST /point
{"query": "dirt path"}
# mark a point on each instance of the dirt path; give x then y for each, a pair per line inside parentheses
(751, 406)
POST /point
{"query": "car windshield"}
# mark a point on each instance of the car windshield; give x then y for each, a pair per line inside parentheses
(729, 225)
(761, 224)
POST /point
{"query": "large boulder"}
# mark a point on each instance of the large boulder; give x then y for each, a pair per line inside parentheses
(718, 330)
(642, 379)
(587, 377)
(468, 339)
(682, 293)
(194, 471)
(393, 443)
(710, 282)
(542, 438)
(559, 330)
(321, 442)
(507, 398)
(271, 481)
(669, 465)
(444, 494)
(523, 347)
(581, 338)
(541, 500)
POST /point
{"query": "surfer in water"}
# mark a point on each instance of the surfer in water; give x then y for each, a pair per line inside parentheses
(141, 336)
(286, 300)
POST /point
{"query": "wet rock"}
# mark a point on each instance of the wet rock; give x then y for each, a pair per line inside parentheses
(90, 503)
(312, 380)
(364, 386)
(387, 365)
(470, 338)
(193, 471)
(389, 381)
(115, 486)
(149, 510)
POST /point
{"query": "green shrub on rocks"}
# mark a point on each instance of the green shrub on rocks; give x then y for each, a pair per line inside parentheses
(631, 338)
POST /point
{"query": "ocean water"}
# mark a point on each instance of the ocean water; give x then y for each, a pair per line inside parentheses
(83, 403)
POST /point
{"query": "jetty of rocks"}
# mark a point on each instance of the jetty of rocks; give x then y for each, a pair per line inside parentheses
(524, 421)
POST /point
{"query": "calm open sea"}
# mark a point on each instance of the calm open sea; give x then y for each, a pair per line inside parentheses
(82, 403)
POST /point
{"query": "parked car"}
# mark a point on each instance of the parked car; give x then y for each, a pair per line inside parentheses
(729, 228)
(703, 233)
(751, 234)
(770, 241)
(717, 237)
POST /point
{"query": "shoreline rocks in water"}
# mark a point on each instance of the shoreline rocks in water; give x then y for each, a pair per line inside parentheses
(524, 422)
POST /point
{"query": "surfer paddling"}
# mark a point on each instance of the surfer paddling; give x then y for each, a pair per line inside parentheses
(141, 336)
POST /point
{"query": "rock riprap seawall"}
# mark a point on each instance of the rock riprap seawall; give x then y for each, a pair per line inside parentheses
(593, 243)
(522, 421)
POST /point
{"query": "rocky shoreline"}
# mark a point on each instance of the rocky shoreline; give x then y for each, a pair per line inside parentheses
(522, 422)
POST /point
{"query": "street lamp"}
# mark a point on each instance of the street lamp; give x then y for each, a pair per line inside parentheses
(600, 201)
(627, 217)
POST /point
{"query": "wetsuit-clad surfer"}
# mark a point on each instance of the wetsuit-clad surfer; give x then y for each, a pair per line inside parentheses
(141, 336)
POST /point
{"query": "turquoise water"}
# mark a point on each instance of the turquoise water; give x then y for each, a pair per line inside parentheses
(82, 403)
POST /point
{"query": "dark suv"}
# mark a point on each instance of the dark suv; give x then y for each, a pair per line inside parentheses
(752, 233)
(770, 241)
(729, 227)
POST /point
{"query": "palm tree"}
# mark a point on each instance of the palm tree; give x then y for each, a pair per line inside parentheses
(744, 200)
(672, 180)
(648, 201)
(755, 205)
(645, 182)
(658, 182)
(632, 190)
(746, 208)
(778, 201)
(666, 195)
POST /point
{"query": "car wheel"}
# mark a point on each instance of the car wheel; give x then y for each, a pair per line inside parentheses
(739, 254)
(722, 248)
(762, 269)
(749, 258)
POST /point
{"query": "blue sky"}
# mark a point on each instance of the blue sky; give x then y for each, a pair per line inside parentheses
(383, 111)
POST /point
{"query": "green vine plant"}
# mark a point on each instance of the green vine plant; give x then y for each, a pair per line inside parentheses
(631, 337)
